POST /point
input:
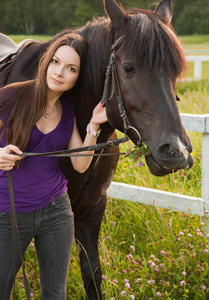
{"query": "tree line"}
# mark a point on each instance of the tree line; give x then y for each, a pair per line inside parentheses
(48, 17)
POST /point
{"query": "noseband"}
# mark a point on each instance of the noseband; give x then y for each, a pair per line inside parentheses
(111, 73)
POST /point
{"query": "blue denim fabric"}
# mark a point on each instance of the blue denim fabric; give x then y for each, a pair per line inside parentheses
(52, 228)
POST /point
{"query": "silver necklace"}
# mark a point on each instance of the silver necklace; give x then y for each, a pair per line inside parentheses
(47, 115)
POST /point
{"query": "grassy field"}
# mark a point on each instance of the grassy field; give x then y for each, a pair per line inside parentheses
(147, 252)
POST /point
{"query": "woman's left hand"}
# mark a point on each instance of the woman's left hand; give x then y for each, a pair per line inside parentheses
(99, 114)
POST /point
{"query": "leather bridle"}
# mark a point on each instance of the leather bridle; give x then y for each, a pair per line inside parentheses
(111, 74)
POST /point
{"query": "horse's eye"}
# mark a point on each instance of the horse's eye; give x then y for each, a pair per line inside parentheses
(128, 69)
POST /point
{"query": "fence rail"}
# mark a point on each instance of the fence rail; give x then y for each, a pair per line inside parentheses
(197, 59)
(174, 201)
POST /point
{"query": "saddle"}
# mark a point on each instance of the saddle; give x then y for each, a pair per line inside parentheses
(8, 47)
(8, 50)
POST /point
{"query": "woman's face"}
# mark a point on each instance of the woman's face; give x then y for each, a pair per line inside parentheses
(63, 70)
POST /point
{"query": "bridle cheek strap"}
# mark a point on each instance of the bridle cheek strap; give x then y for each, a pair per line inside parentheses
(111, 73)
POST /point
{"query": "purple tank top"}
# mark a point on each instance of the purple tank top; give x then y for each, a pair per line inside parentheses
(38, 181)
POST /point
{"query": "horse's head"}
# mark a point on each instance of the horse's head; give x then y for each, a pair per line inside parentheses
(148, 62)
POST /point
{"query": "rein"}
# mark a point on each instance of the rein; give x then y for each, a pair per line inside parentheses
(62, 153)
(111, 73)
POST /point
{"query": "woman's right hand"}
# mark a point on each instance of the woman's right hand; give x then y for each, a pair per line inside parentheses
(7, 158)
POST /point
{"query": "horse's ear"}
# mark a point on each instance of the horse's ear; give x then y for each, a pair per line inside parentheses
(115, 13)
(164, 10)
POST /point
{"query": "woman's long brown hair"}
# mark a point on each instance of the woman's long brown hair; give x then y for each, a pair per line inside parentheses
(25, 102)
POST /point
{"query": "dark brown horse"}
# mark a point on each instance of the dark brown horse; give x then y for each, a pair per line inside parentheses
(148, 60)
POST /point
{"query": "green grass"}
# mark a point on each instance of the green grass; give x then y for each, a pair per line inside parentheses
(147, 251)
(195, 40)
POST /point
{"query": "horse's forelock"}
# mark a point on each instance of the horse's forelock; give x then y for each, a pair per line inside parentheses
(153, 43)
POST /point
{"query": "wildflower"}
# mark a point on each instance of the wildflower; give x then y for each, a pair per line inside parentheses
(32, 244)
(163, 253)
(32, 295)
(181, 233)
(139, 164)
(182, 283)
(207, 236)
(107, 237)
(133, 262)
(132, 297)
(127, 285)
(205, 250)
(108, 264)
(167, 284)
(126, 281)
(115, 281)
(203, 287)
(123, 293)
(112, 298)
(152, 256)
(162, 266)
(158, 294)
(199, 233)
(156, 269)
(113, 223)
(103, 277)
(189, 235)
(207, 211)
(124, 272)
(184, 273)
(132, 248)
(104, 292)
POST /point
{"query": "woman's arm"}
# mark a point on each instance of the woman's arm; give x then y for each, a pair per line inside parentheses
(81, 163)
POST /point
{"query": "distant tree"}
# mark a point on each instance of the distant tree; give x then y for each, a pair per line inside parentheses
(84, 12)
(193, 17)
(52, 16)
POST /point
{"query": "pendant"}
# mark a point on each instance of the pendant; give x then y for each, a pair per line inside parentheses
(46, 115)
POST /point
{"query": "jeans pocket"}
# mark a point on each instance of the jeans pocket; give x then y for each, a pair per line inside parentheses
(63, 203)
(4, 215)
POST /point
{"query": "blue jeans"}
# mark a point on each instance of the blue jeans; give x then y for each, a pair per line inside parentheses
(52, 228)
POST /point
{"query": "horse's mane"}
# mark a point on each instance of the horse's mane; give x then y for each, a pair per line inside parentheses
(156, 47)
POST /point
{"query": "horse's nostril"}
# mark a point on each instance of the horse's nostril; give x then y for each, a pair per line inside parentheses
(168, 151)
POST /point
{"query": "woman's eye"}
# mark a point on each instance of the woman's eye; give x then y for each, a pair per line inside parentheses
(72, 69)
(54, 61)
(128, 69)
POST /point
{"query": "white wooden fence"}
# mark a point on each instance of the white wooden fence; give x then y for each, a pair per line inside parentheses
(197, 59)
(174, 201)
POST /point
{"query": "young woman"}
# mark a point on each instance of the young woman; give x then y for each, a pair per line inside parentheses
(38, 116)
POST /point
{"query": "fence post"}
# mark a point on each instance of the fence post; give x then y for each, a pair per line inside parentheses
(205, 167)
(197, 68)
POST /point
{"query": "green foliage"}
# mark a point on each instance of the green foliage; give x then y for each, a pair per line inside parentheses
(193, 19)
(50, 17)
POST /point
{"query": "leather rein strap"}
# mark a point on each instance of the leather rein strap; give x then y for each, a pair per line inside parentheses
(111, 73)
(63, 153)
